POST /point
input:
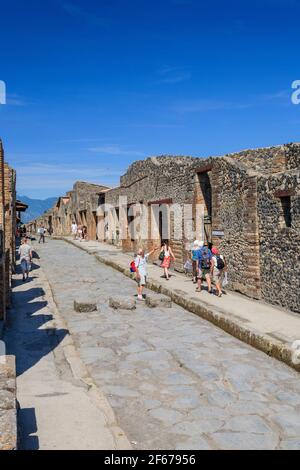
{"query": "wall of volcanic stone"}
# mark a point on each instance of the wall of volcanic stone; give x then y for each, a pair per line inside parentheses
(280, 244)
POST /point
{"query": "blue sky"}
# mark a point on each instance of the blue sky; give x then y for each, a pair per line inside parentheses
(95, 85)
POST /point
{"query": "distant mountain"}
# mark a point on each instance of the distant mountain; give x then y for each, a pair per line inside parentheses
(36, 207)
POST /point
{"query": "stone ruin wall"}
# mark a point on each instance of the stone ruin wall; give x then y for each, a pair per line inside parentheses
(152, 180)
(2, 235)
(279, 245)
(234, 201)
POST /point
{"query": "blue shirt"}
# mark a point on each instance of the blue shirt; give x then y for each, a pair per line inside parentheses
(195, 254)
(204, 252)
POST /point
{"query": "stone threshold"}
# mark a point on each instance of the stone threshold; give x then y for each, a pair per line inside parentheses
(235, 326)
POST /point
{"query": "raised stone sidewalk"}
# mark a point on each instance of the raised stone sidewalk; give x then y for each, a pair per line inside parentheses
(8, 404)
(265, 327)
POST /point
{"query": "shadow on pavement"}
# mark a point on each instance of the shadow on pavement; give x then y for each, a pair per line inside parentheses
(27, 335)
(27, 425)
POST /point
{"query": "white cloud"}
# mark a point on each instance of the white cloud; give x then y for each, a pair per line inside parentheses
(79, 12)
(172, 75)
(15, 100)
(116, 150)
(202, 105)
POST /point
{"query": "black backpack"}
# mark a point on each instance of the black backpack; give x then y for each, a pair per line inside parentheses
(220, 262)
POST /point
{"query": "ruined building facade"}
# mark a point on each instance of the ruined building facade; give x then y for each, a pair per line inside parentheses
(250, 209)
(7, 231)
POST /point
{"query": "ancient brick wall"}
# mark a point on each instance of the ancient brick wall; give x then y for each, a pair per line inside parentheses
(292, 156)
(2, 236)
(234, 224)
(157, 183)
(271, 159)
(279, 231)
(10, 226)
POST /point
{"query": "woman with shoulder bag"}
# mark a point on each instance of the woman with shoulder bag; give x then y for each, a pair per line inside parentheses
(165, 255)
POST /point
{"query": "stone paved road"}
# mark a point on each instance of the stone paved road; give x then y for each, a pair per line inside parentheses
(174, 380)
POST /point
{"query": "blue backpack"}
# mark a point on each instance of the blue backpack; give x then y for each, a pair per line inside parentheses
(205, 259)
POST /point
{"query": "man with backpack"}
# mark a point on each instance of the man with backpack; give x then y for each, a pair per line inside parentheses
(218, 267)
(204, 268)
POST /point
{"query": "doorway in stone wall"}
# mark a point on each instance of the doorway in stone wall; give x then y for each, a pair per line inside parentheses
(94, 226)
(204, 199)
(160, 227)
(83, 218)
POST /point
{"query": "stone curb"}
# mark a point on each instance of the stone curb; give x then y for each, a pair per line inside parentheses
(80, 372)
(254, 338)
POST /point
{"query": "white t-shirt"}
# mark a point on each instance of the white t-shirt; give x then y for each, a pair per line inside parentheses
(214, 257)
(74, 228)
(24, 251)
(141, 264)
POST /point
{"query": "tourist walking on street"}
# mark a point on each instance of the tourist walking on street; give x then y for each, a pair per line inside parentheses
(218, 268)
(80, 232)
(197, 245)
(204, 268)
(140, 263)
(25, 252)
(85, 233)
(41, 232)
(166, 255)
(74, 229)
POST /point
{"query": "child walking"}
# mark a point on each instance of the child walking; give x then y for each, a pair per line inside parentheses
(141, 270)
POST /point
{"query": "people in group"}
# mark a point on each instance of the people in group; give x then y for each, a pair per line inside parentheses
(41, 232)
(218, 268)
(74, 229)
(166, 255)
(140, 263)
(25, 252)
(204, 268)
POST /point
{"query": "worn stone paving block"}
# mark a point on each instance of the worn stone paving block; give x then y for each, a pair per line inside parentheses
(124, 303)
(82, 305)
(154, 302)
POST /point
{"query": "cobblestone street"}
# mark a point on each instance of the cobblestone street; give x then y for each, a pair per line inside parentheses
(173, 379)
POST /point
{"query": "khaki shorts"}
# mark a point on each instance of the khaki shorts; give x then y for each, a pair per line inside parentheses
(141, 280)
(218, 276)
(202, 273)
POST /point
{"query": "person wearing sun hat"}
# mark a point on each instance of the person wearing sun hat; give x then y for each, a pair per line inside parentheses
(194, 256)
(218, 267)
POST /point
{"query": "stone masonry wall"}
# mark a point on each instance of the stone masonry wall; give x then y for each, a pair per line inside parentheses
(279, 244)
(2, 235)
(234, 215)
(10, 227)
(149, 181)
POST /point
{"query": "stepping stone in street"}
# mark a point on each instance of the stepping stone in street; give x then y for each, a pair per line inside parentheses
(153, 302)
(122, 303)
(84, 305)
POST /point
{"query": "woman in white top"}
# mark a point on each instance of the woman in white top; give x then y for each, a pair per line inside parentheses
(166, 254)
